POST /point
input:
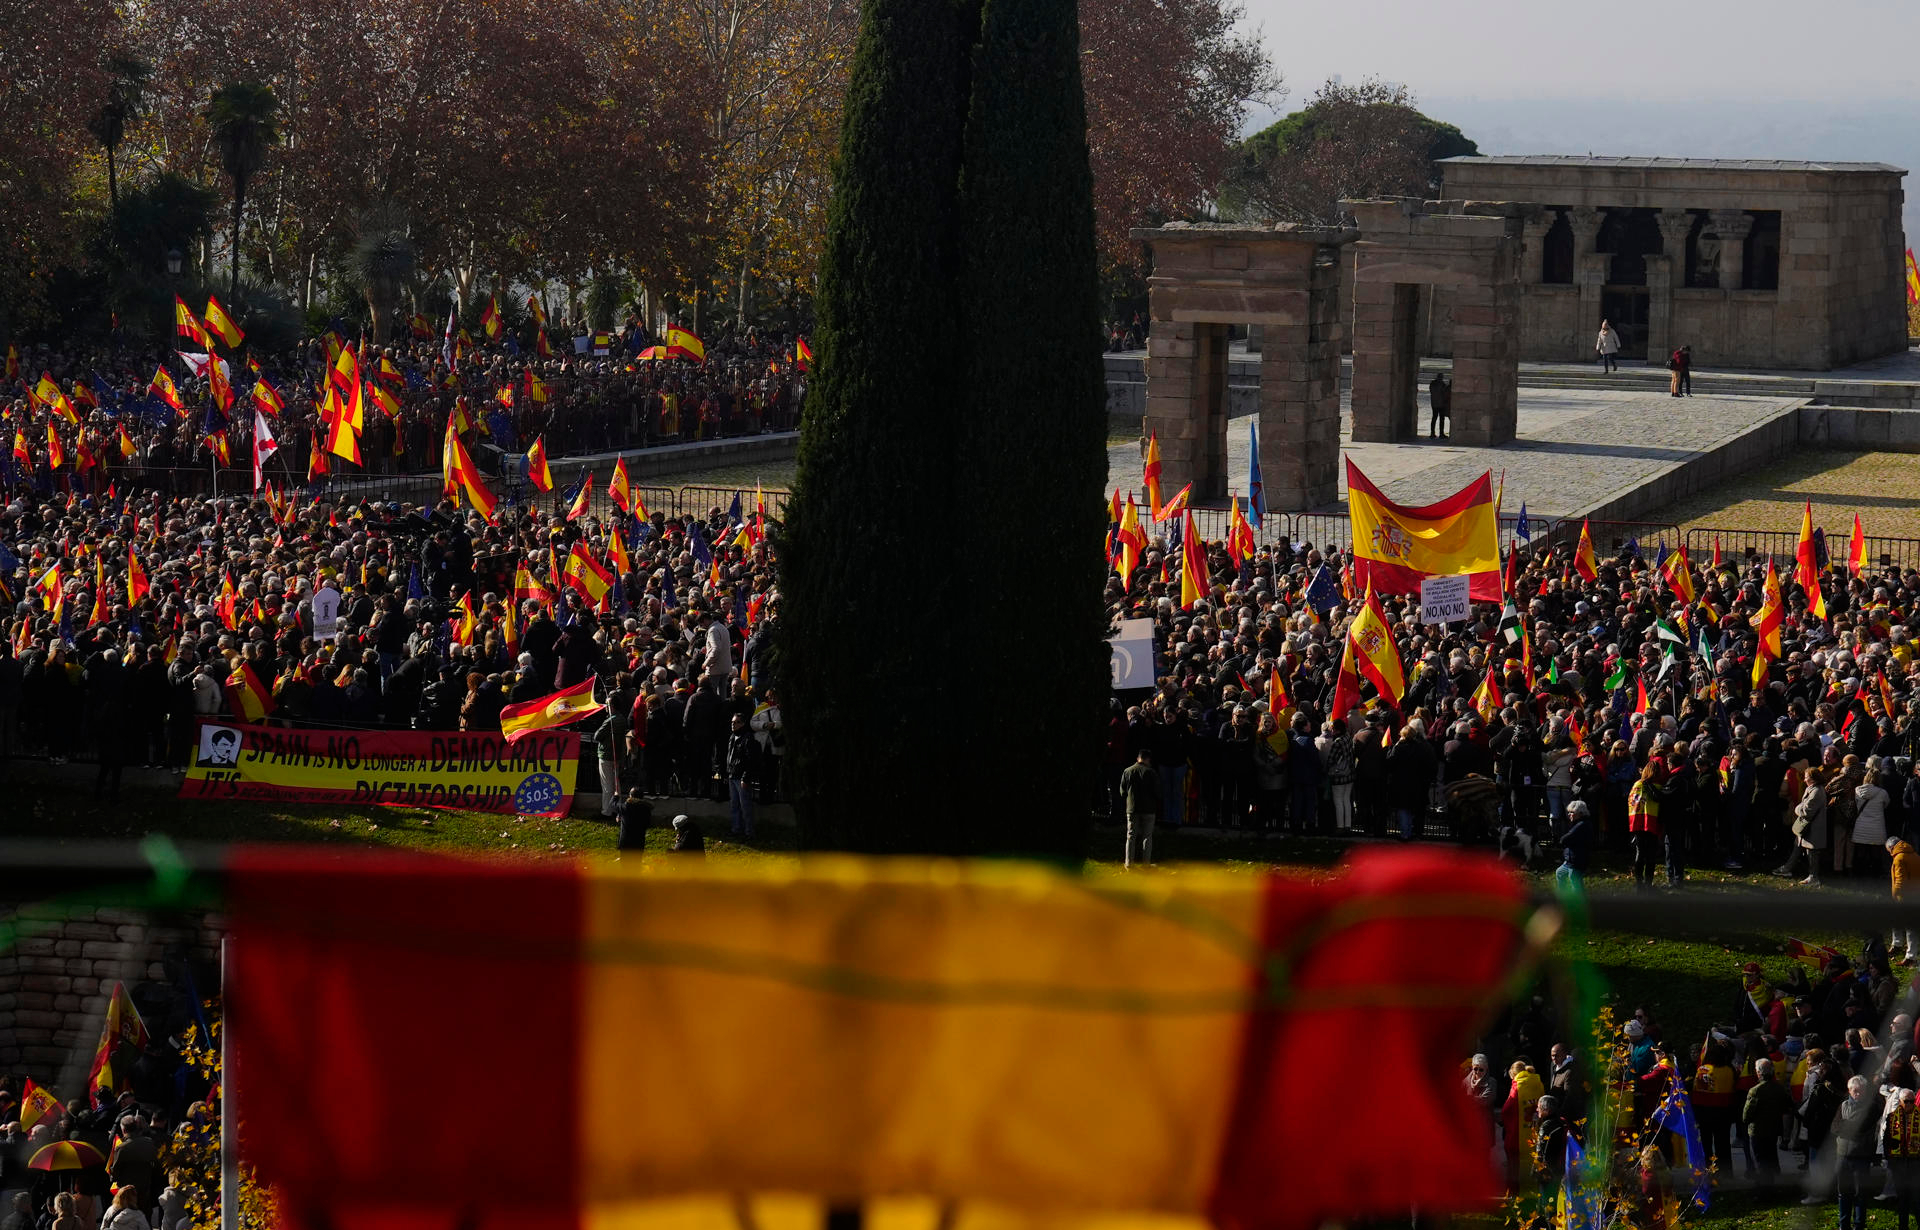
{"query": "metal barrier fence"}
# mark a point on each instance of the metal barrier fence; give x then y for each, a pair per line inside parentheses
(1757, 546)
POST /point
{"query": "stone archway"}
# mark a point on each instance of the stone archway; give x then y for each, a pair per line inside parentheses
(1284, 278)
(1466, 255)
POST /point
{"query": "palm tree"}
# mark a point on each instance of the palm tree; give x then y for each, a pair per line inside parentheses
(126, 97)
(384, 259)
(245, 117)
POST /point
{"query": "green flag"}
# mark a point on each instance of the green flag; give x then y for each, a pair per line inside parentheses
(1619, 677)
(1665, 631)
(1553, 671)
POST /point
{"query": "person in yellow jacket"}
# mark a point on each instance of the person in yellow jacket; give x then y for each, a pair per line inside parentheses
(1517, 1120)
(1906, 890)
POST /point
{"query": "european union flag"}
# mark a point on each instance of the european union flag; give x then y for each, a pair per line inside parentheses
(667, 598)
(1632, 547)
(572, 492)
(415, 590)
(9, 562)
(619, 596)
(1323, 591)
(1676, 1115)
(1661, 559)
(702, 553)
(733, 510)
(739, 619)
(1576, 1196)
(1521, 529)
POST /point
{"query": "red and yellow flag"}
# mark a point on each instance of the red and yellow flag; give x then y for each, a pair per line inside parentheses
(490, 322)
(1196, 581)
(579, 507)
(527, 588)
(123, 1030)
(585, 576)
(1370, 654)
(617, 552)
(684, 343)
(1584, 562)
(618, 489)
(36, 1104)
(186, 325)
(562, 708)
(467, 626)
(537, 472)
(49, 394)
(22, 452)
(249, 699)
(1240, 545)
(1857, 548)
(1806, 565)
(1679, 576)
(1150, 476)
(137, 587)
(267, 399)
(163, 386)
(1766, 625)
(1395, 547)
(127, 448)
(52, 590)
(895, 984)
(1913, 279)
(461, 477)
(1132, 542)
(220, 323)
(56, 454)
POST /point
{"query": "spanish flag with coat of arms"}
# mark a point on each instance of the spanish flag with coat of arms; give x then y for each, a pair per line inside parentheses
(1371, 654)
(1395, 546)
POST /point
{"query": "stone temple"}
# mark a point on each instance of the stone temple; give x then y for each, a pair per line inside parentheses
(1753, 264)
(1757, 264)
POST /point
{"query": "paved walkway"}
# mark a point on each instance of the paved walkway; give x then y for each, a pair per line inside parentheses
(1576, 449)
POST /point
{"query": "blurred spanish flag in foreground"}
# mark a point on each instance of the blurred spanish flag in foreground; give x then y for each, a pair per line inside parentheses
(1007, 1040)
(1395, 546)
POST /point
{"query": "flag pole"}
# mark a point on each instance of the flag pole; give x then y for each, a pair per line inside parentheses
(229, 1119)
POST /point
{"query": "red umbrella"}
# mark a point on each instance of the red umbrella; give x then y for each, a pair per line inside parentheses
(66, 1155)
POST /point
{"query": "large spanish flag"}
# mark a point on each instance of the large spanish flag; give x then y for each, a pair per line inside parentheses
(1395, 546)
(685, 1037)
(562, 708)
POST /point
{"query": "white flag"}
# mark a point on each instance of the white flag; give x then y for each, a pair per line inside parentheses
(263, 445)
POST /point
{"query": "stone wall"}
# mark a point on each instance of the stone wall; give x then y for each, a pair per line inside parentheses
(55, 983)
(1840, 294)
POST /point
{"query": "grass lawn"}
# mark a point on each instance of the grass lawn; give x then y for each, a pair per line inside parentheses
(1884, 488)
(1688, 982)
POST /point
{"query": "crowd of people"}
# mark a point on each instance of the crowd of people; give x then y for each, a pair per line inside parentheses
(1803, 1089)
(1590, 715)
(123, 430)
(356, 616)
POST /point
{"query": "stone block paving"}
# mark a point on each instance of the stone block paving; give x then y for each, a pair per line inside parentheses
(1576, 449)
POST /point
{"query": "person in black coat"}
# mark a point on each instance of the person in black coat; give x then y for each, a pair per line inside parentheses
(1411, 766)
(539, 641)
(636, 817)
(702, 727)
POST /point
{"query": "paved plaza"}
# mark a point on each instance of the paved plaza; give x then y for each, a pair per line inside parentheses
(1576, 449)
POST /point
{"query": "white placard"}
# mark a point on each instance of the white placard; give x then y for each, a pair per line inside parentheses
(1443, 600)
(1133, 655)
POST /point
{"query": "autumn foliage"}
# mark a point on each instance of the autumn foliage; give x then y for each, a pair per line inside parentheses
(687, 147)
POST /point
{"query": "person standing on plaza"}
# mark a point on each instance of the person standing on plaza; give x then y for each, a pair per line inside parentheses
(1140, 789)
(1440, 393)
(1607, 347)
(1764, 1112)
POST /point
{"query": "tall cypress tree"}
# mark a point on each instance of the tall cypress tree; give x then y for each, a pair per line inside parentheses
(1035, 448)
(871, 642)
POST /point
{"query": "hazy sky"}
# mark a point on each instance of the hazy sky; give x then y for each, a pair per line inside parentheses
(1834, 50)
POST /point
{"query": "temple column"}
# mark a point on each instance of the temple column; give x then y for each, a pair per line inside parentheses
(1589, 273)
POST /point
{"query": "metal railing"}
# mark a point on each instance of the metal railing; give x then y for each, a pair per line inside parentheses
(1743, 546)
